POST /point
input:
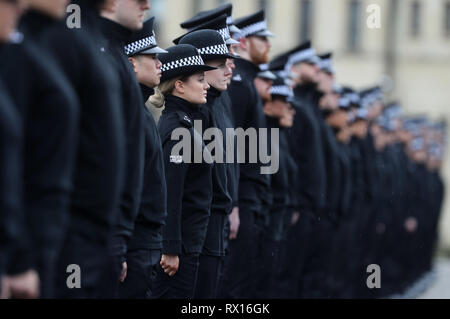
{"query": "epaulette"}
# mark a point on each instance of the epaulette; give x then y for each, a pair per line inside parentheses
(184, 119)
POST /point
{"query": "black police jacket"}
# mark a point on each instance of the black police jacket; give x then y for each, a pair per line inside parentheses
(49, 109)
(11, 158)
(189, 184)
(133, 114)
(100, 155)
(331, 153)
(279, 183)
(254, 187)
(307, 151)
(153, 209)
(345, 188)
(221, 206)
(232, 165)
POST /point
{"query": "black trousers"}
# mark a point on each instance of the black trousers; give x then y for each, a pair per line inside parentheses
(209, 274)
(182, 284)
(266, 268)
(239, 269)
(141, 272)
(92, 260)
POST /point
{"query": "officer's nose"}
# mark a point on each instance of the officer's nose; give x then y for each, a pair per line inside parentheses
(145, 5)
(158, 64)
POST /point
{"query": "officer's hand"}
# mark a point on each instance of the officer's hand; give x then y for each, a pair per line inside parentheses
(169, 264)
(295, 217)
(411, 224)
(234, 223)
(4, 289)
(24, 286)
(123, 275)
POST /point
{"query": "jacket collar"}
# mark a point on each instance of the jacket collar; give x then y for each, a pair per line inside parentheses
(213, 94)
(114, 31)
(247, 67)
(146, 92)
(174, 104)
(34, 22)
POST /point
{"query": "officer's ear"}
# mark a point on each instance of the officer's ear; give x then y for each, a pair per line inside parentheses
(179, 86)
(133, 62)
(243, 44)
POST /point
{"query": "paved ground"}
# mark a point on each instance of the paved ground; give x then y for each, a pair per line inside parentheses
(433, 285)
(439, 287)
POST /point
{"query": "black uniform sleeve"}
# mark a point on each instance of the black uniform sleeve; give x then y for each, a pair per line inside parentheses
(134, 167)
(154, 199)
(50, 114)
(11, 219)
(175, 179)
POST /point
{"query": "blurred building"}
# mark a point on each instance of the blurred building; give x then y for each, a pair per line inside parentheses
(408, 51)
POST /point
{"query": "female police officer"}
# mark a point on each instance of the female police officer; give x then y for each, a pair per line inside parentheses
(189, 185)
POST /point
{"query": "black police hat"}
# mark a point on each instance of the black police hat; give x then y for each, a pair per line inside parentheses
(205, 16)
(326, 63)
(181, 60)
(253, 25)
(265, 73)
(302, 53)
(278, 65)
(209, 43)
(281, 88)
(219, 24)
(143, 41)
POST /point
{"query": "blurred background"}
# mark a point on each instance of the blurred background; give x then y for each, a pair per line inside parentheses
(409, 53)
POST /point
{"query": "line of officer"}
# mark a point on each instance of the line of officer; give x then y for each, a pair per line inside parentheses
(358, 182)
(254, 195)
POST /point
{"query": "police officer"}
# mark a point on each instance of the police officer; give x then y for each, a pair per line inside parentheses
(100, 158)
(189, 183)
(302, 61)
(208, 15)
(254, 196)
(144, 248)
(12, 223)
(118, 21)
(276, 110)
(48, 107)
(214, 52)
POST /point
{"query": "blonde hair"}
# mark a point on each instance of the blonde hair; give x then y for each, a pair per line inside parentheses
(163, 89)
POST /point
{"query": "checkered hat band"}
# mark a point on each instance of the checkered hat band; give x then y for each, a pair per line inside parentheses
(264, 67)
(140, 45)
(281, 90)
(325, 64)
(215, 49)
(225, 33)
(252, 29)
(189, 61)
(353, 97)
(344, 102)
(301, 56)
